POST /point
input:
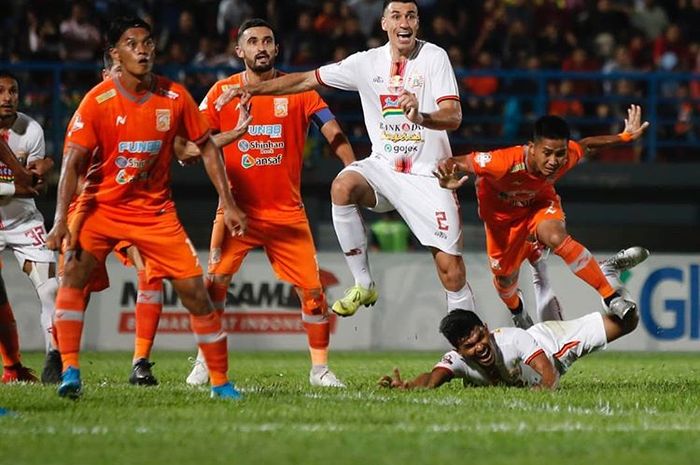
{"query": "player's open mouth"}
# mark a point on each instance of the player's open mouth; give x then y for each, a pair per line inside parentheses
(404, 36)
(484, 356)
(262, 56)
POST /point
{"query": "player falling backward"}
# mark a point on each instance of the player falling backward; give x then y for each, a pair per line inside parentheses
(264, 168)
(22, 231)
(410, 100)
(536, 357)
(518, 202)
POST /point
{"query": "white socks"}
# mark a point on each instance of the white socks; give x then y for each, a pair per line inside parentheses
(545, 301)
(352, 237)
(47, 296)
(461, 299)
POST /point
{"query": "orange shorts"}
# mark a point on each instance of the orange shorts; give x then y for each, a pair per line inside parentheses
(120, 253)
(160, 238)
(289, 247)
(509, 243)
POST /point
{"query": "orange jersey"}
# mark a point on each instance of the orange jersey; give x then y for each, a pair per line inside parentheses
(504, 187)
(264, 165)
(134, 134)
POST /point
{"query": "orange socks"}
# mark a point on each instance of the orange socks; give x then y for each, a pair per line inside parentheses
(217, 294)
(149, 305)
(314, 315)
(584, 265)
(211, 339)
(9, 339)
(509, 295)
(68, 324)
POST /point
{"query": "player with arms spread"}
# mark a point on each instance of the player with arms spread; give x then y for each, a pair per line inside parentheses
(22, 231)
(410, 99)
(133, 120)
(264, 168)
(518, 204)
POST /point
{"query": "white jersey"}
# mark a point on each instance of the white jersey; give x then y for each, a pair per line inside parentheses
(406, 146)
(563, 342)
(26, 139)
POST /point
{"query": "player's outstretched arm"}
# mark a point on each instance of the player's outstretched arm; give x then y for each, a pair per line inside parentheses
(550, 377)
(427, 380)
(634, 129)
(448, 116)
(72, 165)
(292, 83)
(338, 141)
(234, 217)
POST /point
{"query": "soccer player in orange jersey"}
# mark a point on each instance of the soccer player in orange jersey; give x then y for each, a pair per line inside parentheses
(264, 167)
(517, 202)
(133, 120)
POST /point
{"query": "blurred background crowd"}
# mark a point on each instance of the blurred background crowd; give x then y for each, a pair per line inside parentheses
(586, 60)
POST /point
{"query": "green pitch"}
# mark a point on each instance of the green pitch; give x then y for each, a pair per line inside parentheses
(611, 408)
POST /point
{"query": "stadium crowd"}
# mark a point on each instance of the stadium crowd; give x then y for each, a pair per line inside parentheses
(600, 36)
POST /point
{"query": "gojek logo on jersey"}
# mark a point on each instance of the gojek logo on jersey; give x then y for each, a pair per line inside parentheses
(248, 162)
(390, 105)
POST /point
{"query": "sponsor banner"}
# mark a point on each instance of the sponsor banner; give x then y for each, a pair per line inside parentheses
(263, 313)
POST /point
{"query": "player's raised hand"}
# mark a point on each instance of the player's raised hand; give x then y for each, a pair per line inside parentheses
(448, 174)
(235, 220)
(244, 116)
(59, 238)
(226, 96)
(408, 102)
(392, 382)
(634, 128)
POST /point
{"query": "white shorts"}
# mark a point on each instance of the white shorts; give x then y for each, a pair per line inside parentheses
(431, 212)
(28, 241)
(567, 341)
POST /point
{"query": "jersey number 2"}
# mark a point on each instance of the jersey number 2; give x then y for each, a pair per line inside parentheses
(441, 218)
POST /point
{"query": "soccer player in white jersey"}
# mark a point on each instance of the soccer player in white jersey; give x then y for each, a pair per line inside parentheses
(535, 357)
(22, 230)
(410, 99)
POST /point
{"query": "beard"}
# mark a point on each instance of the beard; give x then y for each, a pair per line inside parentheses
(257, 68)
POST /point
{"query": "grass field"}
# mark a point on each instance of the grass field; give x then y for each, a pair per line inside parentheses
(611, 408)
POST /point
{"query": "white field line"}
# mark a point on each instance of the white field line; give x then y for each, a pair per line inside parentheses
(399, 427)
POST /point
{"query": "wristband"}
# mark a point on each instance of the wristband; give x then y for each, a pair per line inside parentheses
(7, 189)
(625, 136)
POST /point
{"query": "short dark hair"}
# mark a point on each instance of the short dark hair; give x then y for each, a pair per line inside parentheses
(551, 127)
(9, 75)
(254, 22)
(387, 2)
(121, 25)
(458, 324)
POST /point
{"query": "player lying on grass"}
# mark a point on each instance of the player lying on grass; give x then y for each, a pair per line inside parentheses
(535, 357)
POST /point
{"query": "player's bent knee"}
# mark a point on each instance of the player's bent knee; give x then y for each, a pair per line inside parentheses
(193, 295)
(313, 302)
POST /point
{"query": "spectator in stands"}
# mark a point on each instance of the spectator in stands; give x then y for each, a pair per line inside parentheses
(551, 46)
(640, 52)
(671, 43)
(605, 18)
(650, 18)
(689, 19)
(80, 39)
(443, 32)
(351, 37)
(303, 45)
(517, 45)
(370, 11)
(580, 62)
(565, 103)
(231, 14)
(328, 20)
(36, 38)
(620, 62)
(491, 30)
